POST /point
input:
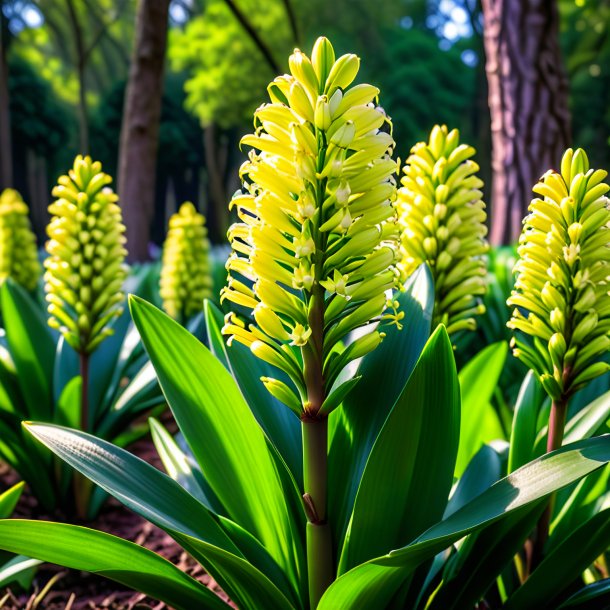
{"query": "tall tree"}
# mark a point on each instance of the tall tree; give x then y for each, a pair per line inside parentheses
(528, 101)
(140, 129)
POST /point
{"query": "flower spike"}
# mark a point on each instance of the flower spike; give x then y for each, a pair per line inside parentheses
(185, 273)
(442, 218)
(315, 248)
(562, 304)
(18, 254)
(85, 268)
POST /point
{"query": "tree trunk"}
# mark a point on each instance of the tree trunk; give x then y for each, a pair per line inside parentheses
(6, 158)
(140, 129)
(528, 101)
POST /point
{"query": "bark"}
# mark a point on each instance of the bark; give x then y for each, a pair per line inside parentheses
(528, 101)
(216, 154)
(6, 158)
(140, 129)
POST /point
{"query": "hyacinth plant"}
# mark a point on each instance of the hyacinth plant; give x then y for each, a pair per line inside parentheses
(561, 298)
(85, 268)
(379, 524)
(18, 253)
(442, 218)
(39, 368)
(186, 279)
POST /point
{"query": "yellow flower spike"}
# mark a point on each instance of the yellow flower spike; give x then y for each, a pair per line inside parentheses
(442, 219)
(85, 267)
(316, 246)
(562, 278)
(18, 254)
(185, 273)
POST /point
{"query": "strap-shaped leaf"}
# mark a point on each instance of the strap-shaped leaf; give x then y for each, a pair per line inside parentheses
(591, 597)
(281, 425)
(417, 444)
(81, 548)
(32, 348)
(158, 498)
(563, 565)
(384, 372)
(478, 380)
(223, 435)
(372, 585)
(9, 499)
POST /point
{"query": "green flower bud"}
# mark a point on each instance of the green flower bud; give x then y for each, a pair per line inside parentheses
(18, 255)
(88, 263)
(561, 289)
(315, 248)
(442, 220)
(185, 274)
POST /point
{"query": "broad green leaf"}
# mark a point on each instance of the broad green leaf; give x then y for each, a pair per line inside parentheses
(479, 424)
(19, 569)
(482, 472)
(481, 557)
(81, 548)
(523, 433)
(138, 485)
(282, 427)
(153, 495)
(591, 597)
(223, 435)
(32, 348)
(372, 585)
(563, 565)
(589, 421)
(384, 372)
(9, 499)
(68, 411)
(176, 463)
(417, 444)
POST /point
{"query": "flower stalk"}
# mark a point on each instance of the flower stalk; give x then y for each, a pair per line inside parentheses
(315, 252)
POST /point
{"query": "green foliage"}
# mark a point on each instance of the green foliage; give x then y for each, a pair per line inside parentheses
(39, 380)
(221, 58)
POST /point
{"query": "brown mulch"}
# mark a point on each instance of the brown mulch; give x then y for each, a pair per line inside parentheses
(57, 588)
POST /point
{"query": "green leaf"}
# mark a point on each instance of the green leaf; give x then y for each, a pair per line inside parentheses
(138, 485)
(9, 499)
(281, 426)
(372, 585)
(156, 497)
(81, 548)
(563, 565)
(591, 597)
(68, 412)
(524, 429)
(19, 569)
(223, 435)
(384, 372)
(417, 444)
(589, 421)
(177, 465)
(485, 468)
(32, 348)
(478, 380)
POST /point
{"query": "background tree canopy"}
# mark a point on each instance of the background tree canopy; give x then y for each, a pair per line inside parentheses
(426, 55)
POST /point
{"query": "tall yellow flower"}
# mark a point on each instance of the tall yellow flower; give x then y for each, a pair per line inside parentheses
(85, 268)
(18, 254)
(561, 299)
(185, 273)
(442, 217)
(314, 253)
